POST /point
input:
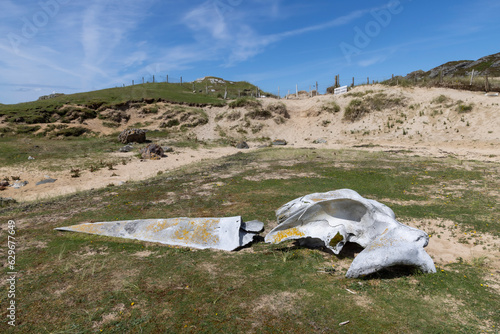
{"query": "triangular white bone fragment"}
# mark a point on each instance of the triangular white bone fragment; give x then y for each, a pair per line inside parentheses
(220, 233)
(333, 218)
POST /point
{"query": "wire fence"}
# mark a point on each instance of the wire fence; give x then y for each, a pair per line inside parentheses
(199, 85)
(226, 89)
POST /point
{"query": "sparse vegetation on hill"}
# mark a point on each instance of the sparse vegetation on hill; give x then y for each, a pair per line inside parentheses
(331, 107)
(278, 109)
(357, 108)
(464, 108)
(489, 65)
(457, 75)
(184, 117)
(441, 99)
(245, 102)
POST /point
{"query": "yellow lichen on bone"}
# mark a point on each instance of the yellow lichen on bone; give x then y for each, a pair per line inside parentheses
(199, 232)
(161, 225)
(293, 233)
(88, 228)
(205, 233)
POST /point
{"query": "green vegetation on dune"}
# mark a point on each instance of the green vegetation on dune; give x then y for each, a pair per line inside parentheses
(43, 111)
(206, 92)
(357, 108)
(71, 282)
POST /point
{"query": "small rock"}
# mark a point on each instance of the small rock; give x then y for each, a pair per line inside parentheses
(167, 149)
(279, 142)
(132, 135)
(19, 184)
(320, 141)
(242, 145)
(126, 148)
(46, 181)
(152, 151)
(31, 158)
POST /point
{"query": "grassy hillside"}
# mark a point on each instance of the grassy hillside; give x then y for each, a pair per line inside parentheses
(204, 93)
(489, 65)
(456, 75)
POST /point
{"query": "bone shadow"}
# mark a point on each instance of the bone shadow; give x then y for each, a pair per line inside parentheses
(350, 251)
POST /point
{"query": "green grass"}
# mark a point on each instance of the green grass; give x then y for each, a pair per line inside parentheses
(43, 111)
(78, 283)
(53, 154)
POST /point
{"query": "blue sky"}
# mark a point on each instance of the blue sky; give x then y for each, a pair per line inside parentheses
(70, 46)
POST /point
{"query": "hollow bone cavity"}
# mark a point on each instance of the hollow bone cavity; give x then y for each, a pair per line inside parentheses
(221, 233)
(333, 218)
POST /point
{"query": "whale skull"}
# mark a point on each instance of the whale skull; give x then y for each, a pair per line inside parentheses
(333, 218)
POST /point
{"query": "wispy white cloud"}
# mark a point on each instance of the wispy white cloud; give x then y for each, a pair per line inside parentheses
(235, 35)
(105, 27)
(206, 18)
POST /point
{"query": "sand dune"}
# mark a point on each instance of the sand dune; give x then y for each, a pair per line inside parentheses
(427, 123)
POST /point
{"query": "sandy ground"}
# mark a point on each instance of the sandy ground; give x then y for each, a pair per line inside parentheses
(135, 169)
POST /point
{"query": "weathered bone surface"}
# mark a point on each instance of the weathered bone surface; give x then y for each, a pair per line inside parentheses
(333, 218)
(221, 233)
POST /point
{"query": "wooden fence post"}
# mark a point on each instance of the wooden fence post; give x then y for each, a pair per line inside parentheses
(487, 84)
(142, 79)
(367, 80)
(296, 90)
(132, 82)
(471, 77)
(225, 93)
(352, 82)
(181, 80)
(316, 88)
(279, 96)
(153, 79)
(167, 78)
